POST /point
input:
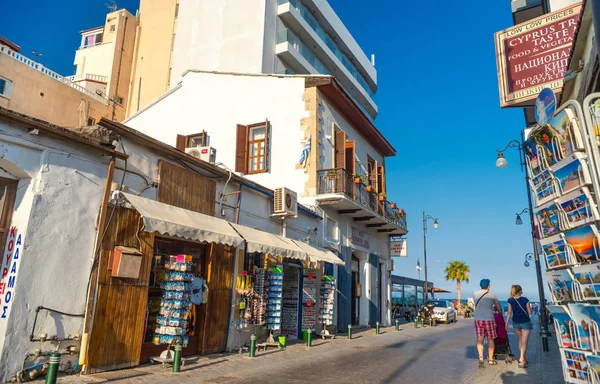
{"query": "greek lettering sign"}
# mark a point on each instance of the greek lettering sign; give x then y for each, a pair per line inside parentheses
(398, 248)
(8, 276)
(534, 55)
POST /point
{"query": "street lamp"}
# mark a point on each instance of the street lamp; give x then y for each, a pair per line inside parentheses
(501, 163)
(519, 221)
(435, 226)
(528, 256)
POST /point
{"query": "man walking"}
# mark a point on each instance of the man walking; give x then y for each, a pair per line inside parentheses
(485, 326)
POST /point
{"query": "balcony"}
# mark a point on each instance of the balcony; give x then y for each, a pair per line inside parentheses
(88, 77)
(336, 187)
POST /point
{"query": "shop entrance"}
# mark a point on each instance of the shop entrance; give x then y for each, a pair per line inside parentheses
(355, 310)
(290, 318)
(380, 290)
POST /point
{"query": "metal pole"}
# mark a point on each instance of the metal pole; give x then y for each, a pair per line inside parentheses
(53, 368)
(377, 328)
(252, 349)
(538, 267)
(349, 331)
(177, 358)
(425, 256)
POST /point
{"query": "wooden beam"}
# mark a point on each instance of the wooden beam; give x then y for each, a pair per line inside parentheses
(363, 218)
(376, 225)
(344, 211)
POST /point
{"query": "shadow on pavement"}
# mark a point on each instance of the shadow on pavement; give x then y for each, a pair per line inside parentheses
(471, 351)
(187, 368)
(418, 354)
(518, 378)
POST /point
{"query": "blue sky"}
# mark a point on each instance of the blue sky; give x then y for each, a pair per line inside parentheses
(439, 106)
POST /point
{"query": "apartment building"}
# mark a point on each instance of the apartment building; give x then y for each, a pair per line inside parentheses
(304, 133)
(28, 87)
(103, 62)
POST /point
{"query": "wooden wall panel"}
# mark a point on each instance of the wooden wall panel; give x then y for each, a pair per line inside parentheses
(118, 328)
(120, 314)
(219, 281)
(185, 189)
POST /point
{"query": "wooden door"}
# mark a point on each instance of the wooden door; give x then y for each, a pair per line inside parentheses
(216, 316)
(119, 320)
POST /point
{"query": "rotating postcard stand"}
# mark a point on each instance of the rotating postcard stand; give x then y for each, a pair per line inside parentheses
(563, 324)
(575, 366)
(586, 281)
(557, 253)
(572, 173)
(548, 218)
(576, 209)
(594, 365)
(583, 244)
(582, 320)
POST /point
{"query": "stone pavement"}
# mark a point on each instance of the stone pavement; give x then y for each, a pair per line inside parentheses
(442, 354)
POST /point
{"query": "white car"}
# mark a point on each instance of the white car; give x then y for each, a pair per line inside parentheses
(443, 311)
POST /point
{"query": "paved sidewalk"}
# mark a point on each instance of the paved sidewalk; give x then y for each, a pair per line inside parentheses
(441, 354)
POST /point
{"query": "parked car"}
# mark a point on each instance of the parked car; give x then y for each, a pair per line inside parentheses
(443, 311)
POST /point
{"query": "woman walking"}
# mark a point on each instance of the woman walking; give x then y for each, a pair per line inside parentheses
(520, 309)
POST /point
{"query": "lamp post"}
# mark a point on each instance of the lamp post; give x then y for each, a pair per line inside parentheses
(435, 225)
(528, 256)
(501, 163)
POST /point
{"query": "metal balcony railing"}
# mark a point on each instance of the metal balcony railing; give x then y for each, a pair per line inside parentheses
(88, 76)
(340, 181)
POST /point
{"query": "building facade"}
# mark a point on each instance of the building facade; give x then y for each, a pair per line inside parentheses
(304, 133)
(30, 88)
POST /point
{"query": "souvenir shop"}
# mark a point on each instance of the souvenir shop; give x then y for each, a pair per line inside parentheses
(281, 299)
(172, 276)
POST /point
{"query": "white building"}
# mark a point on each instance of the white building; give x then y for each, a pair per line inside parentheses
(259, 125)
(271, 36)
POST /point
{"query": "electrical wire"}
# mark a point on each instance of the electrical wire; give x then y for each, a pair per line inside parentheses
(148, 183)
(198, 173)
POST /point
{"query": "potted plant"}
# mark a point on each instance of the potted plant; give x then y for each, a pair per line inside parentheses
(401, 211)
(382, 196)
(331, 174)
(369, 188)
(393, 205)
(358, 178)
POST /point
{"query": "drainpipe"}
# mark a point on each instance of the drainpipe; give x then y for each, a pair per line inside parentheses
(116, 94)
(93, 288)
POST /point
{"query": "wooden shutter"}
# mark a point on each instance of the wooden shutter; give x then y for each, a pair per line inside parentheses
(350, 157)
(381, 179)
(373, 175)
(267, 145)
(241, 149)
(181, 143)
(340, 149)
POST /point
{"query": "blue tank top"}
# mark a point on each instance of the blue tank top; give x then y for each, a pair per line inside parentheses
(520, 315)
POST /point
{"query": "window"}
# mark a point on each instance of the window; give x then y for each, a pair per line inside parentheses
(91, 121)
(176, 10)
(5, 87)
(8, 191)
(113, 28)
(192, 141)
(120, 100)
(372, 173)
(252, 148)
(332, 229)
(92, 39)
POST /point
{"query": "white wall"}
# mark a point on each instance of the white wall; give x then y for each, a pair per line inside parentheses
(362, 146)
(55, 214)
(555, 5)
(217, 35)
(217, 103)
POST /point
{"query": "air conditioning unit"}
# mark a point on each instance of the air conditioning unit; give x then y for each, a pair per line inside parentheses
(208, 154)
(286, 202)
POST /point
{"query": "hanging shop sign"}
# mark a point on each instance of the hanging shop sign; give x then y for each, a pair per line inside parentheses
(534, 55)
(8, 277)
(360, 238)
(398, 248)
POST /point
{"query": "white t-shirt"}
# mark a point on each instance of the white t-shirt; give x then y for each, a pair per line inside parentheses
(484, 309)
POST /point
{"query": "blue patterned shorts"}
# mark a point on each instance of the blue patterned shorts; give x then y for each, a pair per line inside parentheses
(528, 326)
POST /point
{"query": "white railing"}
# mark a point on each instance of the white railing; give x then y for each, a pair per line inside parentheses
(88, 76)
(39, 67)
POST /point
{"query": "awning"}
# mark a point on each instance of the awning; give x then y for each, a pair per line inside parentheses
(264, 242)
(169, 220)
(319, 254)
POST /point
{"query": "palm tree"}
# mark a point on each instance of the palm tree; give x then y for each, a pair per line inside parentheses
(457, 271)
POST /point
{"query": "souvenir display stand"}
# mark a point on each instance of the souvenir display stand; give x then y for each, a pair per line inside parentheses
(563, 162)
(327, 299)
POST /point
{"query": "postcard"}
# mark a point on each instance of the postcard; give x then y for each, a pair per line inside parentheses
(543, 187)
(534, 163)
(594, 364)
(588, 279)
(548, 220)
(560, 283)
(562, 319)
(576, 366)
(572, 173)
(582, 319)
(583, 241)
(577, 208)
(555, 252)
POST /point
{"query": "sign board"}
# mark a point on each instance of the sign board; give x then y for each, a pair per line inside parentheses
(534, 55)
(398, 248)
(360, 238)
